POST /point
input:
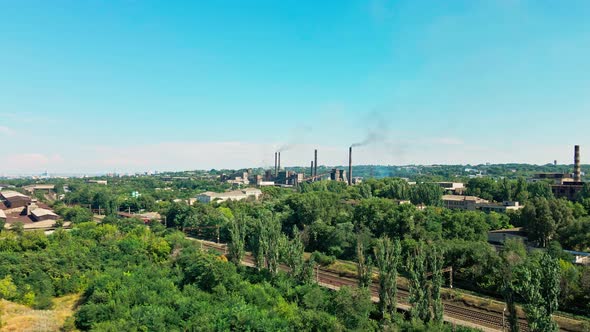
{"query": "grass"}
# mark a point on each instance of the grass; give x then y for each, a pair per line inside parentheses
(17, 317)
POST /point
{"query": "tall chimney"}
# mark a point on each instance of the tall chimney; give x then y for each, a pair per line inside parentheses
(350, 166)
(311, 169)
(315, 163)
(279, 161)
(276, 169)
(577, 170)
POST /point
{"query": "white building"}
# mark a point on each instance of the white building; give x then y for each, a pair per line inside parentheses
(236, 195)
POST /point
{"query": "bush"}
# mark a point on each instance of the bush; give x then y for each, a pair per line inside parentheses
(323, 259)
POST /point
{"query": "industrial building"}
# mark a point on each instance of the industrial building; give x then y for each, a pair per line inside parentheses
(565, 186)
(40, 214)
(14, 199)
(236, 195)
(454, 188)
(39, 187)
(473, 203)
(459, 202)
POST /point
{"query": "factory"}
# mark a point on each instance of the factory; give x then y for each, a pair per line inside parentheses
(287, 178)
(565, 185)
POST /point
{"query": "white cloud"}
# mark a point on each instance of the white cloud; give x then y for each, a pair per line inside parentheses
(6, 131)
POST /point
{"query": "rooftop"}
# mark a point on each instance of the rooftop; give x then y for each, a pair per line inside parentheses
(461, 198)
(40, 212)
(10, 194)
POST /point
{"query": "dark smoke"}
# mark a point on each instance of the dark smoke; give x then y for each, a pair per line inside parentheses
(377, 129)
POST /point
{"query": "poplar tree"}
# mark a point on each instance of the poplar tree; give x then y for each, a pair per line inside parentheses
(436, 266)
(364, 265)
(418, 291)
(236, 246)
(387, 254)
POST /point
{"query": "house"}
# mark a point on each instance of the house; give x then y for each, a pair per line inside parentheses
(236, 195)
(40, 214)
(2, 216)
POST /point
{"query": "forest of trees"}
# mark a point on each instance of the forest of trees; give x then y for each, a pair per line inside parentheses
(365, 224)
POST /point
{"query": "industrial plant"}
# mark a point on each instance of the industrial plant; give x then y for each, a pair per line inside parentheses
(282, 177)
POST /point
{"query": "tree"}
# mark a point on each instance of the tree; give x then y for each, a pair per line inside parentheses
(436, 265)
(539, 222)
(268, 244)
(418, 298)
(513, 255)
(364, 265)
(293, 255)
(387, 254)
(236, 246)
(427, 193)
(18, 227)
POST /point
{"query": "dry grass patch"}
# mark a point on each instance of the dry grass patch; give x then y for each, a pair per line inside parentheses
(17, 317)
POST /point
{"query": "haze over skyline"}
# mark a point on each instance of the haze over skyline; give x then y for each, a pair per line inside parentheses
(95, 86)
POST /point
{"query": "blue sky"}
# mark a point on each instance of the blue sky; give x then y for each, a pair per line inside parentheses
(93, 86)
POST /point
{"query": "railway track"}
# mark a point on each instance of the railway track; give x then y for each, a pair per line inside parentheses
(478, 317)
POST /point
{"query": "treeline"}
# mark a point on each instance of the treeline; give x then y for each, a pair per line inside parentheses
(331, 216)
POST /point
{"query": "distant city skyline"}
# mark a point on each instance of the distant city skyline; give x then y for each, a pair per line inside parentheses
(93, 86)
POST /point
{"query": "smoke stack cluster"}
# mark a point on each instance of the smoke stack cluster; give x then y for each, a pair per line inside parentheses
(279, 161)
(311, 169)
(577, 168)
(350, 166)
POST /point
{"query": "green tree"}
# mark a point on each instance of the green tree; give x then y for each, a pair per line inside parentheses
(293, 255)
(387, 254)
(236, 246)
(364, 264)
(419, 299)
(436, 265)
(513, 255)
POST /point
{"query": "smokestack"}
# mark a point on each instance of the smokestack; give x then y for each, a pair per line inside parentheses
(279, 161)
(311, 169)
(276, 169)
(350, 166)
(315, 163)
(577, 171)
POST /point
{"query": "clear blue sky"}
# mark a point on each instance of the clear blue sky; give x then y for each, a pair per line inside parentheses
(94, 85)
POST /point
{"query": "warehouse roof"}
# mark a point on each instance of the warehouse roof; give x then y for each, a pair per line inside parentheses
(39, 212)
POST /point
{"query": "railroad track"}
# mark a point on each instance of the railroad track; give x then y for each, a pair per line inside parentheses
(481, 318)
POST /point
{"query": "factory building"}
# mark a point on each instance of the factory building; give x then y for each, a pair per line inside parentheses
(458, 202)
(40, 214)
(14, 199)
(236, 195)
(566, 187)
(473, 203)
